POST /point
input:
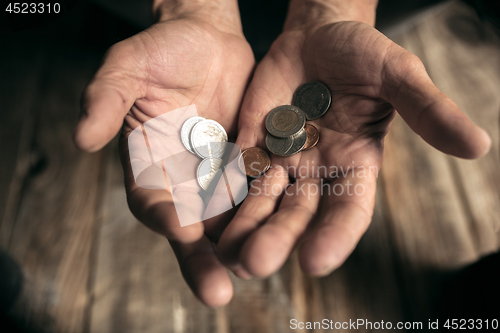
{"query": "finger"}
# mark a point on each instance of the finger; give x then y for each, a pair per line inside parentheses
(271, 86)
(267, 249)
(105, 102)
(215, 226)
(263, 197)
(345, 213)
(205, 275)
(230, 189)
(429, 112)
(155, 208)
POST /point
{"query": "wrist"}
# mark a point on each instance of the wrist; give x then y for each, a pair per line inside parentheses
(309, 15)
(222, 14)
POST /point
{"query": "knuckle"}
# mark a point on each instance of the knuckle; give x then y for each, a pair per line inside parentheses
(414, 64)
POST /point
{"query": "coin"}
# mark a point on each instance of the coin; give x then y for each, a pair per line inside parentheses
(207, 169)
(186, 131)
(299, 141)
(254, 161)
(208, 138)
(312, 136)
(278, 146)
(285, 121)
(313, 99)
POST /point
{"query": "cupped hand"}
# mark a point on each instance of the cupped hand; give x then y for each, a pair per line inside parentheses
(172, 64)
(330, 203)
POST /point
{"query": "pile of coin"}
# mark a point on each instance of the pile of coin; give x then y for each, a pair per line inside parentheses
(205, 138)
(288, 133)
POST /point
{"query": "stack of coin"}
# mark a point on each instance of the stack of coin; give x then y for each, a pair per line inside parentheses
(205, 138)
(286, 125)
(286, 134)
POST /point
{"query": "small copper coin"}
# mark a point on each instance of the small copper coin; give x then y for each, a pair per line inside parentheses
(312, 136)
(255, 161)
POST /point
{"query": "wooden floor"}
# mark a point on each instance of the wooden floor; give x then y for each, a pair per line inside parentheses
(89, 266)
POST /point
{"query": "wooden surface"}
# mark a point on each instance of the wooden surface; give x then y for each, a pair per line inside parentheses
(89, 266)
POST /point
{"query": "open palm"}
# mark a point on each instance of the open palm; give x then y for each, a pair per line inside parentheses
(170, 65)
(330, 204)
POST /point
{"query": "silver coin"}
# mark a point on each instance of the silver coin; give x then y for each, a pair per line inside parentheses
(285, 121)
(208, 139)
(278, 146)
(299, 141)
(313, 98)
(207, 169)
(186, 131)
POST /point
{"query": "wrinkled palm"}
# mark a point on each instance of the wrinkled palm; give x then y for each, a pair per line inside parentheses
(330, 204)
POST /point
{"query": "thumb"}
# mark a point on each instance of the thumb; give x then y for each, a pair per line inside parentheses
(105, 102)
(428, 111)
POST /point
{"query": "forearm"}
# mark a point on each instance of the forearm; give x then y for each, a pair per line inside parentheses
(224, 14)
(308, 14)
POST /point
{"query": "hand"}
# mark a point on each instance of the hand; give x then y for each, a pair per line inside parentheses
(369, 77)
(196, 58)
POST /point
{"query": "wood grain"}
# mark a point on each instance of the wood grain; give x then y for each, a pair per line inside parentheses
(367, 285)
(53, 227)
(19, 114)
(267, 305)
(91, 267)
(475, 90)
(430, 195)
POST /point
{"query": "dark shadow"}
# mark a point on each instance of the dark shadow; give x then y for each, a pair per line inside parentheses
(263, 19)
(487, 10)
(391, 12)
(69, 42)
(86, 24)
(262, 23)
(11, 282)
(472, 293)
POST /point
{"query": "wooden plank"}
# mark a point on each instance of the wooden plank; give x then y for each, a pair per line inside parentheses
(54, 226)
(444, 211)
(433, 214)
(420, 229)
(267, 305)
(429, 225)
(462, 56)
(366, 286)
(19, 114)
